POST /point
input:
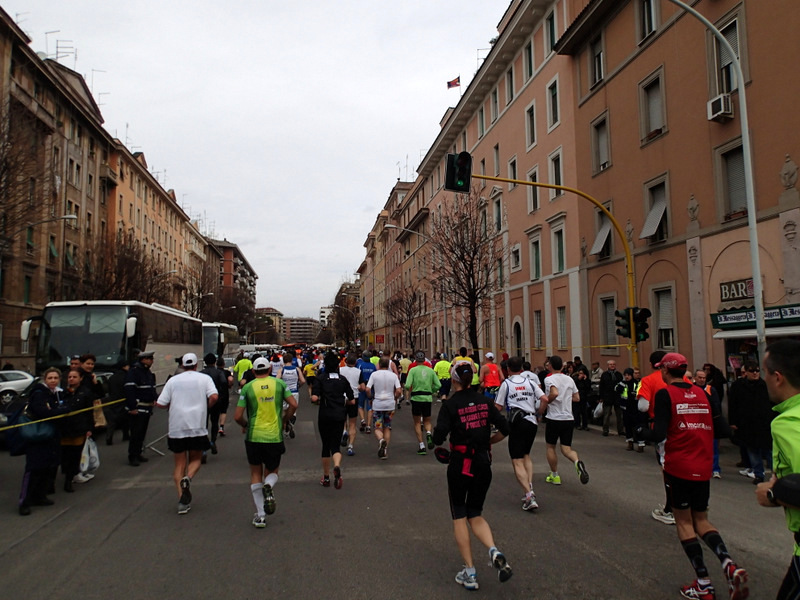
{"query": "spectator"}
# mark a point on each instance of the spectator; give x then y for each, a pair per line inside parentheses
(610, 398)
(754, 417)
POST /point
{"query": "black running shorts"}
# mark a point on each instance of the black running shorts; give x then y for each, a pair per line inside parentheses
(420, 409)
(467, 494)
(265, 453)
(684, 494)
(520, 437)
(188, 444)
(559, 430)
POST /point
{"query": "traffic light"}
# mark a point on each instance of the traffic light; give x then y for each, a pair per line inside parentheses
(623, 322)
(640, 316)
(458, 172)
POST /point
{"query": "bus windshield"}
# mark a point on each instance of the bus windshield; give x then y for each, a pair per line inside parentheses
(75, 330)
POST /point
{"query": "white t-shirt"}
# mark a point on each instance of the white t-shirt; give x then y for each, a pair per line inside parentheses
(187, 396)
(517, 391)
(383, 384)
(560, 409)
(533, 377)
(352, 374)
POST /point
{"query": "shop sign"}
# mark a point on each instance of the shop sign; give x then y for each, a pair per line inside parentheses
(775, 316)
(736, 290)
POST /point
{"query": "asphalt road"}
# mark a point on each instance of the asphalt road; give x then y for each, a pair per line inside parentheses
(386, 534)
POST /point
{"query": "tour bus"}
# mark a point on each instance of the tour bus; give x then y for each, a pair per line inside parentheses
(113, 330)
(220, 339)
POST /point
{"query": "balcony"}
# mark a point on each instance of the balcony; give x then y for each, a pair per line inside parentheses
(108, 174)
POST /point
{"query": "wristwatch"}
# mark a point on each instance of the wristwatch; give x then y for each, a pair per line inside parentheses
(771, 497)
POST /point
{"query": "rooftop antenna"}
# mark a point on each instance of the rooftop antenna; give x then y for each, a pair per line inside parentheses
(479, 58)
(46, 44)
(91, 81)
(398, 170)
(63, 49)
(102, 94)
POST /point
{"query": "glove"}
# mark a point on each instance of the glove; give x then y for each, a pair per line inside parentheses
(442, 455)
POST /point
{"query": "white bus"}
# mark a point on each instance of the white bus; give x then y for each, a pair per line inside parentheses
(113, 330)
(220, 339)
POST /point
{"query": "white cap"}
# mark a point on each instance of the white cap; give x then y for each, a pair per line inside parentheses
(189, 359)
(489, 355)
(261, 364)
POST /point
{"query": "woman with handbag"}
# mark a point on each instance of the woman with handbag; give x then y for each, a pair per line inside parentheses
(42, 456)
(74, 431)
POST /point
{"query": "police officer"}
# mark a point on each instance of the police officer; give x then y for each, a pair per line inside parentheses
(140, 394)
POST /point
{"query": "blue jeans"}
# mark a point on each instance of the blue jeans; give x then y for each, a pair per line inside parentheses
(757, 458)
(716, 468)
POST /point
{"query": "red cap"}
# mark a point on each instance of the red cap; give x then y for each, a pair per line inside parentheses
(672, 360)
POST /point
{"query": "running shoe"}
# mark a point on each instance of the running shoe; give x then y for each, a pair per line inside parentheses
(337, 478)
(269, 499)
(368, 429)
(697, 591)
(363, 427)
(291, 431)
(350, 451)
(665, 517)
(221, 430)
(500, 563)
(716, 475)
(737, 581)
(468, 580)
(345, 438)
(325, 481)
(421, 450)
(530, 503)
(214, 448)
(554, 479)
(81, 478)
(582, 472)
(747, 473)
(183, 508)
(382, 449)
(186, 493)
(259, 521)
(204, 458)
(429, 437)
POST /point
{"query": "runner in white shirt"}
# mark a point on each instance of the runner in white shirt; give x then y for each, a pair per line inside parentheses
(521, 397)
(384, 389)
(561, 393)
(353, 375)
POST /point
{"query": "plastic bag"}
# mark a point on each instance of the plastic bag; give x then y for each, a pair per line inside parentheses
(598, 411)
(98, 414)
(90, 458)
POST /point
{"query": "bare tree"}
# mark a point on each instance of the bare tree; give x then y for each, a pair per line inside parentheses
(344, 318)
(202, 297)
(407, 309)
(467, 255)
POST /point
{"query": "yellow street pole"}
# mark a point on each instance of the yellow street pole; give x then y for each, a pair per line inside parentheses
(628, 256)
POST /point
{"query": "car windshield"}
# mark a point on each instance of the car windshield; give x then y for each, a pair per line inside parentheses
(76, 330)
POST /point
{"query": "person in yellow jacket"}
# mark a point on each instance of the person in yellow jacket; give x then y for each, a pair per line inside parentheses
(627, 389)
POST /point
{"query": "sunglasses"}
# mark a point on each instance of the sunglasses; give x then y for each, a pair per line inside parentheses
(753, 370)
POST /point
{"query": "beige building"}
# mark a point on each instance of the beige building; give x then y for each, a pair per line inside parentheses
(635, 104)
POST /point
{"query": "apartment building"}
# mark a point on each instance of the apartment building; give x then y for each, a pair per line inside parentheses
(635, 104)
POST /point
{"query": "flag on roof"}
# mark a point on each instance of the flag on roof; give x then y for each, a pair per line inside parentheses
(454, 83)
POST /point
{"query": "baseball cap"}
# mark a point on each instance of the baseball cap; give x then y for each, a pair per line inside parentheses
(489, 355)
(420, 356)
(261, 364)
(672, 360)
(189, 359)
(146, 355)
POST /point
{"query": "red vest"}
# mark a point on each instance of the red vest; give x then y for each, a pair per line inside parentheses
(689, 449)
(492, 379)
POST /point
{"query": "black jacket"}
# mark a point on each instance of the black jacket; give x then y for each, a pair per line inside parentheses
(140, 388)
(334, 391)
(750, 409)
(608, 382)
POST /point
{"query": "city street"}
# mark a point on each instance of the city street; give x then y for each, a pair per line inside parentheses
(386, 534)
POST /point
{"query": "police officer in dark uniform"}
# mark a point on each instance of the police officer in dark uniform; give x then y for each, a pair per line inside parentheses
(140, 394)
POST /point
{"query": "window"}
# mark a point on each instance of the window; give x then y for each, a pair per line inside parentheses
(536, 260)
(498, 214)
(464, 141)
(731, 192)
(71, 172)
(596, 58)
(555, 174)
(517, 339)
(509, 85)
(558, 251)
(530, 126)
(527, 60)
(89, 224)
(608, 328)
(481, 122)
(516, 258)
(537, 330)
(550, 38)
(484, 222)
(497, 160)
(483, 172)
(602, 243)
(561, 322)
(512, 172)
(52, 254)
(726, 74)
(552, 105)
(647, 18)
(600, 145)
(77, 181)
(501, 276)
(533, 190)
(29, 240)
(26, 289)
(90, 185)
(495, 104)
(665, 329)
(651, 107)
(655, 225)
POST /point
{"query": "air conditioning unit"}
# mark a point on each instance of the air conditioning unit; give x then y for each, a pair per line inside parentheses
(720, 108)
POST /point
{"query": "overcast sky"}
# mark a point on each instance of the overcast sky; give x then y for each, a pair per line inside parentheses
(281, 125)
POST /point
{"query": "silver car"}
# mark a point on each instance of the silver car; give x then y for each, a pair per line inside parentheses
(11, 384)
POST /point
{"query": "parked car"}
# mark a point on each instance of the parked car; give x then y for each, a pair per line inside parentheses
(11, 384)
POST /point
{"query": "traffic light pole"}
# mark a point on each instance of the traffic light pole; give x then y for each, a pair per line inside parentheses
(629, 277)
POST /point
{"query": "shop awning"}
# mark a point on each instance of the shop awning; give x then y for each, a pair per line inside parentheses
(772, 332)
